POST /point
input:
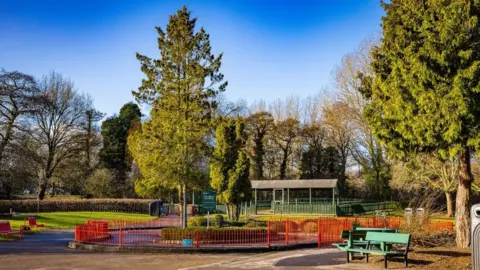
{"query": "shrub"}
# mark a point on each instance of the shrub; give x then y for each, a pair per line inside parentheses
(252, 223)
(100, 183)
(218, 235)
(197, 222)
(219, 221)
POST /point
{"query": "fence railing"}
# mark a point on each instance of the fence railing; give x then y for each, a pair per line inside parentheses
(345, 208)
(321, 231)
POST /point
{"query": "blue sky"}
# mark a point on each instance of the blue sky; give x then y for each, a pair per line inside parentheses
(272, 49)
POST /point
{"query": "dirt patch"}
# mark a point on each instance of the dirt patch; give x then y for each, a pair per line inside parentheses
(428, 258)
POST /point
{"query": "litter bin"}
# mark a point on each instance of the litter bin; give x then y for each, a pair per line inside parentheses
(475, 234)
(154, 208)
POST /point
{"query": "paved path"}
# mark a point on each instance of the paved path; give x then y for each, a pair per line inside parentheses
(54, 241)
(48, 250)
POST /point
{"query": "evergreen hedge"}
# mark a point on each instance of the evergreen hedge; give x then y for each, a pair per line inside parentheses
(81, 205)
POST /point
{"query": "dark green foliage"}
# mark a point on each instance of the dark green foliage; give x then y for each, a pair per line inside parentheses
(114, 154)
(230, 166)
(425, 95)
(319, 163)
(219, 221)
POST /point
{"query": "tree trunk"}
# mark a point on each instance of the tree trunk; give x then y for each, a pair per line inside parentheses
(184, 208)
(283, 165)
(259, 158)
(6, 138)
(462, 209)
(448, 196)
(43, 188)
(52, 194)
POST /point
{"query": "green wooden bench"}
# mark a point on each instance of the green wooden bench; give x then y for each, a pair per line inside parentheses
(357, 236)
(389, 230)
(386, 239)
(352, 239)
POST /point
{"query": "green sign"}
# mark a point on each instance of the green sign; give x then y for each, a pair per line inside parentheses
(209, 200)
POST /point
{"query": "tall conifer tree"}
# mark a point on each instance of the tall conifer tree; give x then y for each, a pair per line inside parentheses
(425, 95)
(229, 169)
(180, 86)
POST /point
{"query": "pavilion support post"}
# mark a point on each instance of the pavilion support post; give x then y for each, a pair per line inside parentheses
(333, 195)
(288, 196)
(333, 201)
(255, 201)
(310, 195)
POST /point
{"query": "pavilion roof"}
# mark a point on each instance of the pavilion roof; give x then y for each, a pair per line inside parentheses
(292, 184)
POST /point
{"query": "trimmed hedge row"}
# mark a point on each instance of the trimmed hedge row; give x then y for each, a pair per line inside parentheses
(89, 205)
(219, 235)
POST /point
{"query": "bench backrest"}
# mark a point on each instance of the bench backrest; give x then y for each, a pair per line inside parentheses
(5, 226)
(355, 235)
(389, 230)
(394, 238)
(32, 221)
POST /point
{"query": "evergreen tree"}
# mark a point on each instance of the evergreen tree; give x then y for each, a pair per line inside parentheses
(230, 166)
(424, 96)
(114, 155)
(180, 86)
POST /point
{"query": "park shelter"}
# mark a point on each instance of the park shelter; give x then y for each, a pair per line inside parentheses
(288, 191)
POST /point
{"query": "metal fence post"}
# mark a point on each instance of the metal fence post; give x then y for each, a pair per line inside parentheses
(286, 232)
(120, 238)
(319, 233)
(268, 234)
(197, 244)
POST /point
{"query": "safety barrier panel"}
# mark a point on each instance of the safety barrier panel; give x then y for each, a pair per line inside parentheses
(322, 231)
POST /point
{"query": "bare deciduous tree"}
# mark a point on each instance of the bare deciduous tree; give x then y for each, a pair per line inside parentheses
(17, 95)
(56, 123)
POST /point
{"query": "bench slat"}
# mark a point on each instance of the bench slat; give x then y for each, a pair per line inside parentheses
(397, 238)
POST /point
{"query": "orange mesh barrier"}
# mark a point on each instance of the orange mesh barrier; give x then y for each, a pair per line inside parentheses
(322, 231)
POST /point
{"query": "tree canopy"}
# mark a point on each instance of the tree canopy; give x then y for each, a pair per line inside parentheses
(181, 87)
(424, 96)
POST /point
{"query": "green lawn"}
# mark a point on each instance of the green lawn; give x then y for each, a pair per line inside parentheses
(67, 220)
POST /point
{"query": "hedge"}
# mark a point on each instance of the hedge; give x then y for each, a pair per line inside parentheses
(87, 205)
(219, 235)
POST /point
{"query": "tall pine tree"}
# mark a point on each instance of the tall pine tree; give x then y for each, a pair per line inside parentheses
(180, 86)
(425, 95)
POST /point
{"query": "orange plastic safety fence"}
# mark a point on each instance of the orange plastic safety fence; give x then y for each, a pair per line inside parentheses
(324, 231)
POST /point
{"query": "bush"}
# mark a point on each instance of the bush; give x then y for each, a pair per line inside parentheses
(197, 222)
(100, 183)
(219, 221)
(78, 205)
(201, 221)
(218, 235)
(252, 223)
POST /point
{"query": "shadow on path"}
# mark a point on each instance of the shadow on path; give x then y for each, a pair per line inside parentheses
(313, 260)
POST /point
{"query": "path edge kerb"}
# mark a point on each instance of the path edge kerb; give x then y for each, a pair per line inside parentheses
(104, 248)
